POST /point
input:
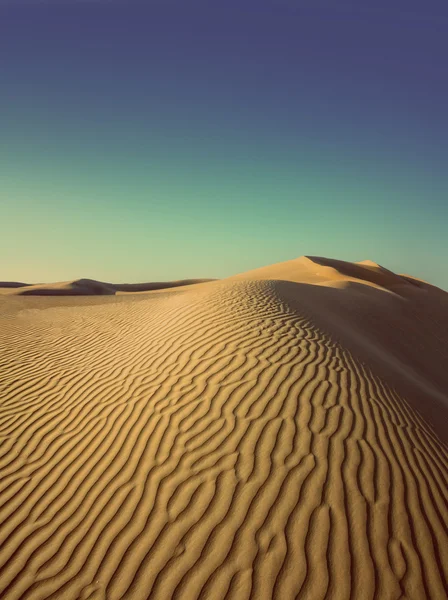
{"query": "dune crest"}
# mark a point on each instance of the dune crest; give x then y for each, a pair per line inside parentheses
(278, 434)
(318, 270)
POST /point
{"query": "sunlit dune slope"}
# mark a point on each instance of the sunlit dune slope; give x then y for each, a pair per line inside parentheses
(279, 434)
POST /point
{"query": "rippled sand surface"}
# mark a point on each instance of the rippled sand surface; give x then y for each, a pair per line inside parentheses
(279, 434)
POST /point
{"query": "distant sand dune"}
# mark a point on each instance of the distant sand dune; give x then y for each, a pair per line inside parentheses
(280, 434)
(89, 287)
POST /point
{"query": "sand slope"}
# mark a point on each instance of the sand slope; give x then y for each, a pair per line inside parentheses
(280, 434)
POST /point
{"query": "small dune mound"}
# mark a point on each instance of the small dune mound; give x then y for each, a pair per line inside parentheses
(12, 284)
(90, 287)
(80, 287)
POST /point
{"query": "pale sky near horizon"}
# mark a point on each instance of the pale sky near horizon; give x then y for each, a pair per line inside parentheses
(154, 141)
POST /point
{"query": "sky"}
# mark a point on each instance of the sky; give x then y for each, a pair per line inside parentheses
(159, 140)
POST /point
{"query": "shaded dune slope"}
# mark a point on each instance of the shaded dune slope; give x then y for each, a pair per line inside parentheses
(238, 440)
(12, 284)
(396, 324)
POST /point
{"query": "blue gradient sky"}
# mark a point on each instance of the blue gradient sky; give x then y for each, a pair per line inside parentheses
(162, 140)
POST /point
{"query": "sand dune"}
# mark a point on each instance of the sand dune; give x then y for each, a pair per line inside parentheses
(278, 434)
(89, 287)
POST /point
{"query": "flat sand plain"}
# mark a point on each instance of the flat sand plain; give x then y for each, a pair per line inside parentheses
(277, 434)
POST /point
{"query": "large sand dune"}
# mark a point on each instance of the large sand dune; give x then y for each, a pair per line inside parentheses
(279, 434)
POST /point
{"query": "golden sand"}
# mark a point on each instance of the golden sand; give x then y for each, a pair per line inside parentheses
(278, 434)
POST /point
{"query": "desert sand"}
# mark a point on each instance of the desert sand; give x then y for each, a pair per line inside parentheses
(277, 434)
